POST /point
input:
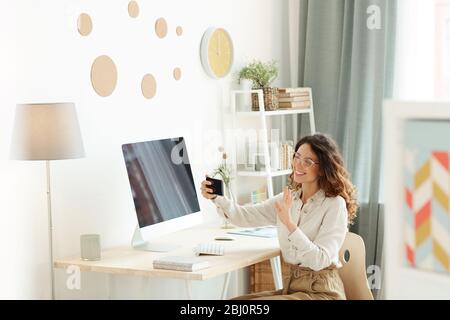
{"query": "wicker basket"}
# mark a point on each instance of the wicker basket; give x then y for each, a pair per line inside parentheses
(270, 99)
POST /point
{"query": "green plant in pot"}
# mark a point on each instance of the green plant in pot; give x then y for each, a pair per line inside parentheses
(262, 74)
(226, 173)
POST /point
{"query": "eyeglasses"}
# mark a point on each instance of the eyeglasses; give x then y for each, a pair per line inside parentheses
(305, 162)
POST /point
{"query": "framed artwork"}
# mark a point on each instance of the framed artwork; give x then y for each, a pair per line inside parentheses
(442, 48)
(260, 161)
(417, 186)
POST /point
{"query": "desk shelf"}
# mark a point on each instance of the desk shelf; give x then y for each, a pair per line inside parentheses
(279, 112)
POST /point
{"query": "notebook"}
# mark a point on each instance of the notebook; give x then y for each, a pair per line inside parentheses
(264, 232)
(180, 263)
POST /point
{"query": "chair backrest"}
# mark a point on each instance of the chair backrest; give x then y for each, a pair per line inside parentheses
(353, 271)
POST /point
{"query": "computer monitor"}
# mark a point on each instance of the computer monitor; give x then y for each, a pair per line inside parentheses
(162, 186)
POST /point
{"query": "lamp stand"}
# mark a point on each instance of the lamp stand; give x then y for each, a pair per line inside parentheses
(50, 228)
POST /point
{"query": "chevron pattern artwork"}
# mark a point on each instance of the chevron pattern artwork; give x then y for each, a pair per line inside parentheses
(427, 198)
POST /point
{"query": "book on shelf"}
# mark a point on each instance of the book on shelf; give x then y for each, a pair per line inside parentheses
(294, 90)
(258, 195)
(295, 104)
(274, 158)
(294, 98)
(293, 94)
(180, 263)
(286, 154)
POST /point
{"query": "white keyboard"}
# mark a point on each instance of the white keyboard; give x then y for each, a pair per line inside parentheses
(209, 248)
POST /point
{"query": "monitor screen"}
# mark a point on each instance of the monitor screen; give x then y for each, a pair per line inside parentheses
(161, 180)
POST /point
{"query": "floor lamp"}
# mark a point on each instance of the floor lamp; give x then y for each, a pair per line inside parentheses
(47, 131)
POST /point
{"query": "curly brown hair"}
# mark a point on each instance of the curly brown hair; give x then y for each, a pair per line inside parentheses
(333, 178)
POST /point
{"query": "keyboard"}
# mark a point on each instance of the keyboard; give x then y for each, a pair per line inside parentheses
(209, 248)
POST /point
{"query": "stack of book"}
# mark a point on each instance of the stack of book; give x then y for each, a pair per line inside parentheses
(180, 263)
(294, 98)
(286, 154)
(258, 195)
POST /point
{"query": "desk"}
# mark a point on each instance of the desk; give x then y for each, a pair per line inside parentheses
(239, 253)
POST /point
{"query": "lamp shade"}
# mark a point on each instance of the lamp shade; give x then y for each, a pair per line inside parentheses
(46, 131)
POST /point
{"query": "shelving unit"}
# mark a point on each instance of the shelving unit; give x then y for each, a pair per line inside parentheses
(272, 113)
(268, 173)
(263, 173)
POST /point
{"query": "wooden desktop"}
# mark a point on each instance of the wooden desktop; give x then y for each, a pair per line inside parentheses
(242, 252)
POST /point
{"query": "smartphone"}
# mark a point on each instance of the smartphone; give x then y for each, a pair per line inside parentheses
(216, 185)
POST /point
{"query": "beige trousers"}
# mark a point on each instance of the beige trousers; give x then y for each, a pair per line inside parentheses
(305, 284)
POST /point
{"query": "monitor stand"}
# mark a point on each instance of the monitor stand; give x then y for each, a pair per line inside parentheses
(138, 243)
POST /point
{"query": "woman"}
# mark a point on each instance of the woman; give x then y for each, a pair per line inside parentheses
(312, 215)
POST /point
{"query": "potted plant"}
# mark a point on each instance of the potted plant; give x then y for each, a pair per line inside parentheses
(262, 74)
(225, 172)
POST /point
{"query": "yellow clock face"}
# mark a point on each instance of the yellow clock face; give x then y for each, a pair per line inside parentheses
(220, 53)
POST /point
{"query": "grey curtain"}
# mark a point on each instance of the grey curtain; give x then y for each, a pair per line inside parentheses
(349, 67)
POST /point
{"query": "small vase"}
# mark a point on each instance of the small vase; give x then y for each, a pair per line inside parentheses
(229, 195)
(245, 99)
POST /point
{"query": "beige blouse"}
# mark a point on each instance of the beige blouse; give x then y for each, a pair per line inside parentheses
(322, 226)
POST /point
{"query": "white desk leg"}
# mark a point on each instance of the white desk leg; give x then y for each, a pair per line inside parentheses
(147, 287)
(189, 289)
(225, 286)
(275, 263)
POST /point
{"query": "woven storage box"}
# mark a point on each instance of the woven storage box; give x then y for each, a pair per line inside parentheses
(261, 278)
(270, 99)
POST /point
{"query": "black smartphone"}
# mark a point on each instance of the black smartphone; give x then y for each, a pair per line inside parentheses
(216, 185)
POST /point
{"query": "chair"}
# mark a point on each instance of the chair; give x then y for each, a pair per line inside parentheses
(353, 272)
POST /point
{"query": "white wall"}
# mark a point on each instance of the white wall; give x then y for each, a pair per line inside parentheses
(91, 195)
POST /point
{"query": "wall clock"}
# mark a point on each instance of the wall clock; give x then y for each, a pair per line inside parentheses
(217, 52)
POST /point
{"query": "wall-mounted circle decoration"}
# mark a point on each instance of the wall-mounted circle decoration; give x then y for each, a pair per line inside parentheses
(179, 31)
(84, 24)
(133, 9)
(103, 75)
(161, 27)
(148, 86)
(177, 73)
